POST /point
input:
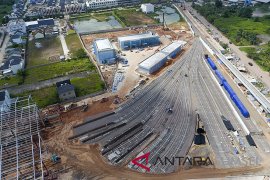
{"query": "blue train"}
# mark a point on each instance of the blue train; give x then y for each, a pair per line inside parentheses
(211, 63)
(228, 88)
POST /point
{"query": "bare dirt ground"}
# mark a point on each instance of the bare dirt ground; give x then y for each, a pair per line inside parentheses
(83, 161)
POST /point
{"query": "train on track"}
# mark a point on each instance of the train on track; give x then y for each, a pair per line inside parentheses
(228, 88)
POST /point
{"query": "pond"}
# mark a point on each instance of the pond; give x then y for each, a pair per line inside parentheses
(86, 26)
(170, 15)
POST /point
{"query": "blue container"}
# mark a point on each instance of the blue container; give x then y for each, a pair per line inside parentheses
(211, 63)
(240, 106)
(228, 88)
(220, 77)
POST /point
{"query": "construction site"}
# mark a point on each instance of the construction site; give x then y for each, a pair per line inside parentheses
(167, 98)
(21, 150)
(126, 66)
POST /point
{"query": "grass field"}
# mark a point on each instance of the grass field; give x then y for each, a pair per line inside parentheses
(43, 97)
(58, 69)
(88, 85)
(232, 25)
(50, 47)
(8, 81)
(260, 55)
(83, 86)
(73, 42)
(131, 17)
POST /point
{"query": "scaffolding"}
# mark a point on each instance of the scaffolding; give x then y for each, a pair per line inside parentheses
(20, 141)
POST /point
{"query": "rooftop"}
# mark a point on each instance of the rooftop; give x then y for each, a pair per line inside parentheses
(137, 36)
(154, 59)
(103, 44)
(64, 86)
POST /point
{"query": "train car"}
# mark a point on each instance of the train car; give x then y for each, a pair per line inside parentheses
(228, 88)
(220, 77)
(240, 106)
(211, 63)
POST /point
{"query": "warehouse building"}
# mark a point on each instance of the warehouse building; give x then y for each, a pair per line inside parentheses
(104, 51)
(138, 40)
(156, 61)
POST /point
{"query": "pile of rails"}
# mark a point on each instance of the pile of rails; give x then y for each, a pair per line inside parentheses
(228, 88)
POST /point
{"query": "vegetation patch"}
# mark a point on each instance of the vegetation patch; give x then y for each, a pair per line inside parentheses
(10, 81)
(43, 97)
(260, 54)
(58, 69)
(5, 9)
(88, 85)
(235, 22)
(74, 45)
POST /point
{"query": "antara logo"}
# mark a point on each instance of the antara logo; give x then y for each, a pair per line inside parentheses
(192, 161)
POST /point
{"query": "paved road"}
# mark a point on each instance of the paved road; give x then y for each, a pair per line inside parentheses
(63, 42)
(214, 49)
(255, 70)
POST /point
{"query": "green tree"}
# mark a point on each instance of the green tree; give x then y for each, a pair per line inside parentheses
(218, 3)
(80, 53)
(245, 12)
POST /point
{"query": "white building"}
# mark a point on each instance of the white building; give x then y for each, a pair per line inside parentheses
(104, 51)
(16, 25)
(156, 61)
(148, 8)
(4, 101)
(99, 4)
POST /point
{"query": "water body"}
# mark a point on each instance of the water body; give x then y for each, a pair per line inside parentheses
(170, 15)
(86, 26)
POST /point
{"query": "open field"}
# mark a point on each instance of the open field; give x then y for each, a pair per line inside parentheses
(73, 42)
(232, 25)
(104, 16)
(43, 97)
(88, 85)
(58, 69)
(50, 47)
(131, 17)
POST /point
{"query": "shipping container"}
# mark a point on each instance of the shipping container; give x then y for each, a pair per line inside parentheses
(211, 63)
(220, 77)
(240, 106)
(228, 88)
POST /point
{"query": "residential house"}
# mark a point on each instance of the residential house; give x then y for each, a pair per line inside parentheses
(13, 63)
(14, 26)
(65, 90)
(17, 39)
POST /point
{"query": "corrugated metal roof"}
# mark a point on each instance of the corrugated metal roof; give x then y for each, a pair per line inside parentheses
(156, 58)
(137, 36)
(103, 44)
